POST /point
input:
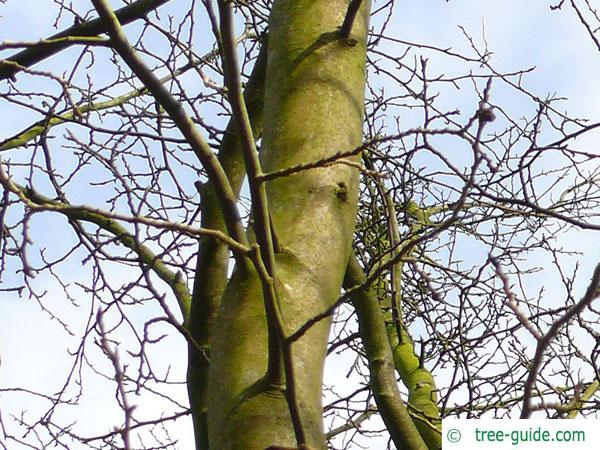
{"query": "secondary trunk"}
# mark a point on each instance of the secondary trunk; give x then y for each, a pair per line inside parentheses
(313, 108)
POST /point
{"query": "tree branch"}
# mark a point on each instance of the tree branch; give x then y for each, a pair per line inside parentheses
(579, 400)
(185, 125)
(592, 292)
(346, 27)
(38, 128)
(372, 328)
(27, 58)
(212, 260)
(108, 222)
(113, 356)
(258, 193)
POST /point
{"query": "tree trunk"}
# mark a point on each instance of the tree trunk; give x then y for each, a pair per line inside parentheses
(314, 99)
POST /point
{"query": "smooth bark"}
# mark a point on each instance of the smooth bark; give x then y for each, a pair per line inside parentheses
(394, 412)
(315, 82)
(213, 256)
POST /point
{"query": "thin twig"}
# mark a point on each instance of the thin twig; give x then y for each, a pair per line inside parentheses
(592, 292)
(57, 42)
(512, 303)
(185, 125)
(113, 355)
